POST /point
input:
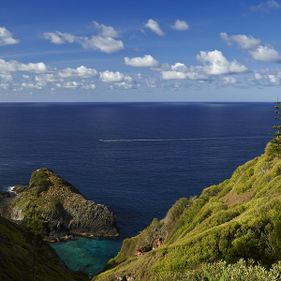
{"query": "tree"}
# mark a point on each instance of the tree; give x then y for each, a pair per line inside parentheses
(277, 128)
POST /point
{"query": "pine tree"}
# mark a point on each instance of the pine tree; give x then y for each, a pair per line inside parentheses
(277, 128)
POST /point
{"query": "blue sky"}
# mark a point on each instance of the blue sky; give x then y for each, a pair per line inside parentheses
(140, 50)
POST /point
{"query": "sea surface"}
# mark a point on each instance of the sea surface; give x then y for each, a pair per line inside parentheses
(137, 158)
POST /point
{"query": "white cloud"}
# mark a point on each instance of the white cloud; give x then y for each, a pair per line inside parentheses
(266, 54)
(6, 77)
(110, 76)
(253, 46)
(89, 87)
(266, 6)
(180, 71)
(243, 41)
(180, 25)
(154, 27)
(118, 80)
(105, 41)
(60, 37)
(173, 75)
(105, 30)
(267, 78)
(71, 85)
(103, 44)
(6, 37)
(126, 85)
(145, 61)
(14, 66)
(229, 80)
(80, 71)
(215, 63)
(179, 67)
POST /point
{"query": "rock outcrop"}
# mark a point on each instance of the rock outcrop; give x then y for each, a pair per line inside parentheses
(52, 207)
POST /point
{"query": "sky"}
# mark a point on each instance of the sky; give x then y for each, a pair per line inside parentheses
(129, 51)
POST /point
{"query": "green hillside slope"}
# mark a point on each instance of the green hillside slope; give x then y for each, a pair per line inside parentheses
(25, 257)
(238, 218)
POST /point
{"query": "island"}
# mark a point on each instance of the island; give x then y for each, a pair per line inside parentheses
(53, 208)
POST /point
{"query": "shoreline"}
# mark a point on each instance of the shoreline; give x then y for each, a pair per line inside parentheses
(74, 236)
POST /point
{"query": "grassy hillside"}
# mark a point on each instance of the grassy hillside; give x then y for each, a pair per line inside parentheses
(25, 257)
(238, 218)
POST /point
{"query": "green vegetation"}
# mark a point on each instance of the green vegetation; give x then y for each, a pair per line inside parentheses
(222, 271)
(238, 218)
(25, 257)
(276, 142)
(53, 208)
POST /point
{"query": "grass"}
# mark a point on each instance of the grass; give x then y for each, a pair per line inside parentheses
(24, 256)
(238, 218)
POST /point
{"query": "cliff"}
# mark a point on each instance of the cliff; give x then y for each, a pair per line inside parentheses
(52, 207)
(25, 257)
(204, 237)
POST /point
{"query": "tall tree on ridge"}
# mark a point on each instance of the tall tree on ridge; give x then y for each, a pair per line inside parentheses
(277, 127)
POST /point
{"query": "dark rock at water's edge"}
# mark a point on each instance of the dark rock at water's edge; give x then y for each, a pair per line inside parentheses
(24, 256)
(52, 207)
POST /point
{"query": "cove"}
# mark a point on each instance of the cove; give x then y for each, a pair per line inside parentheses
(86, 254)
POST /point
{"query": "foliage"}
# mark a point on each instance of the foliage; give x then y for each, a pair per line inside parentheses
(238, 218)
(221, 271)
(24, 256)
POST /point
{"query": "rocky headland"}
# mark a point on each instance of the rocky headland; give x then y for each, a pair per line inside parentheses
(53, 208)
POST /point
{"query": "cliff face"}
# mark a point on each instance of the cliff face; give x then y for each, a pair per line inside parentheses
(25, 257)
(238, 218)
(55, 209)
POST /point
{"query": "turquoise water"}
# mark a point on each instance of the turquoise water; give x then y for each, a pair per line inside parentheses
(87, 255)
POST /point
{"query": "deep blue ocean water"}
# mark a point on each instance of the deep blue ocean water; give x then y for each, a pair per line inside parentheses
(137, 158)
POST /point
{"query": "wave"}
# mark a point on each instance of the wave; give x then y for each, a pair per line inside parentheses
(8, 189)
(183, 139)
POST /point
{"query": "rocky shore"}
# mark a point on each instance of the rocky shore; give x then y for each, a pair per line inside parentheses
(53, 208)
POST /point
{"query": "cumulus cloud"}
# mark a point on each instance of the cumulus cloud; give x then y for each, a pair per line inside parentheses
(110, 76)
(180, 71)
(145, 61)
(6, 37)
(14, 66)
(80, 71)
(173, 75)
(180, 25)
(59, 38)
(6, 77)
(253, 46)
(266, 54)
(266, 6)
(243, 41)
(106, 40)
(267, 78)
(103, 44)
(229, 80)
(154, 26)
(36, 76)
(215, 63)
(118, 80)
(105, 30)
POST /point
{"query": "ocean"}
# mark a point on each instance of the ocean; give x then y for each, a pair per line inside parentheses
(136, 158)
